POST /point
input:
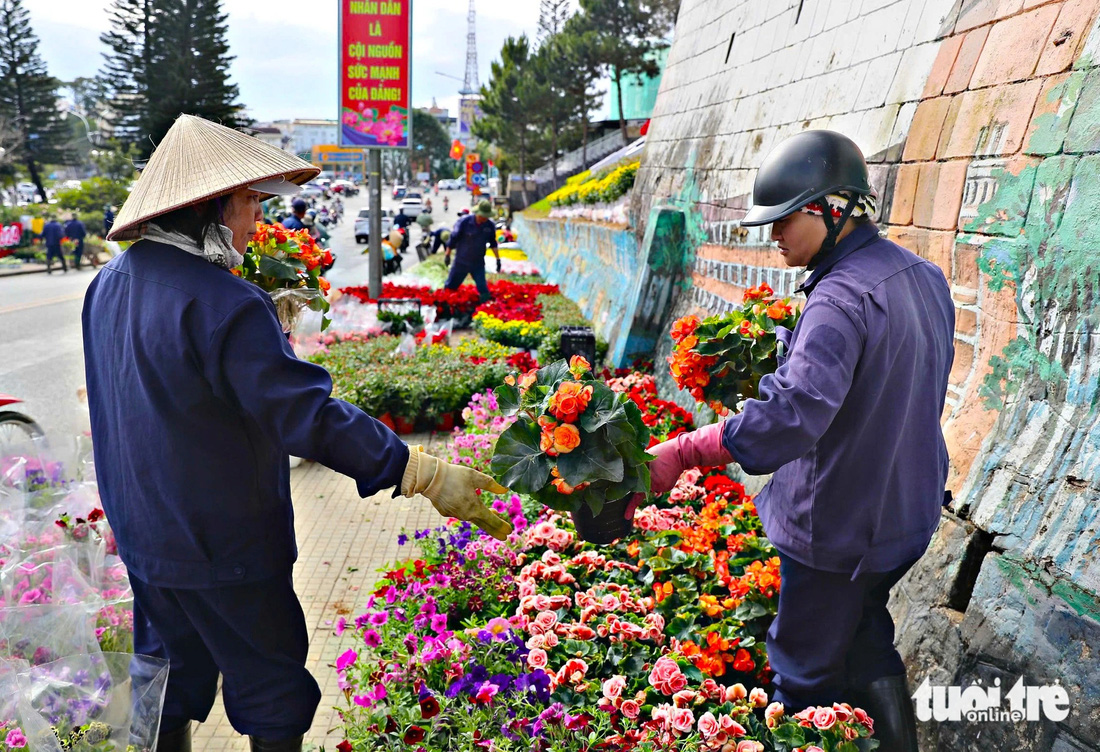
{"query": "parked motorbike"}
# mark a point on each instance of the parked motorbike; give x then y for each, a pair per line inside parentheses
(15, 427)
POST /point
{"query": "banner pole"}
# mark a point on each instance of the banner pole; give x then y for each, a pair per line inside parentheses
(375, 246)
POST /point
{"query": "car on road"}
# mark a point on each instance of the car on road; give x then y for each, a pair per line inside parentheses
(413, 203)
(362, 224)
(310, 190)
(399, 191)
(345, 187)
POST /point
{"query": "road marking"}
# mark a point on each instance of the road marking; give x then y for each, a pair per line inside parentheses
(38, 303)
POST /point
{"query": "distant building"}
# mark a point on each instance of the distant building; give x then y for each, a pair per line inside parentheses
(269, 134)
(305, 134)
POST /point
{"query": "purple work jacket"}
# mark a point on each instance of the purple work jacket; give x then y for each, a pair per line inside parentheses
(850, 421)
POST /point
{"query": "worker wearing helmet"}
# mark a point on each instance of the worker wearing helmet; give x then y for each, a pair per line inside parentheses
(849, 428)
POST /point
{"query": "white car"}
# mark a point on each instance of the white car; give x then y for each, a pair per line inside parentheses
(309, 190)
(362, 224)
(412, 204)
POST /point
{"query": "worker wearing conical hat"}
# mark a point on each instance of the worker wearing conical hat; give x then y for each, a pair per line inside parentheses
(196, 401)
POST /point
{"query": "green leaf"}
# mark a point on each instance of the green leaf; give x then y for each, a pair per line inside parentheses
(507, 398)
(790, 733)
(592, 460)
(280, 269)
(517, 460)
(550, 375)
(603, 408)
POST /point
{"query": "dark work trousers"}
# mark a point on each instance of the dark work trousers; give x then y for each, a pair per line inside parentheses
(833, 635)
(462, 267)
(254, 635)
(55, 253)
(78, 254)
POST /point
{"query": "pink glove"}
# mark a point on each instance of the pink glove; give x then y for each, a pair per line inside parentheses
(701, 448)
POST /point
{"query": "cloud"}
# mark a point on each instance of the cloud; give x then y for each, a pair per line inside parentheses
(285, 50)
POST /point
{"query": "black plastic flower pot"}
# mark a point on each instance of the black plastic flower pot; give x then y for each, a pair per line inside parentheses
(607, 526)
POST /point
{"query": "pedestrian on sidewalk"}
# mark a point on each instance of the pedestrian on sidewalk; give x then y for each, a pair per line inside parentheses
(52, 235)
(108, 219)
(75, 231)
(471, 236)
(850, 426)
(196, 400)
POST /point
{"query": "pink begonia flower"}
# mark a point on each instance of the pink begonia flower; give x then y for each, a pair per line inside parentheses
(758, 697)
(708, 725)
(346, 659)
(16, 739)
(630, 709)
(825, 718)
(613, 687)
(747, 745)
(683, 720)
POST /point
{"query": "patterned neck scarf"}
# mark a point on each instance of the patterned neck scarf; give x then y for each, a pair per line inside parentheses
(866, 205)
(221, 253)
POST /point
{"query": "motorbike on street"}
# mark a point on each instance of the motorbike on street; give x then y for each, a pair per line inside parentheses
(15, 427)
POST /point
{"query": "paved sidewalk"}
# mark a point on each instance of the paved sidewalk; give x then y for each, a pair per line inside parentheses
(342, 541)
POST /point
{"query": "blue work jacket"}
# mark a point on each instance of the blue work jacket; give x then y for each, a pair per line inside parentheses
(469, 239)
(293, 223)
(196, 400)
(850, 421)
(52, 235)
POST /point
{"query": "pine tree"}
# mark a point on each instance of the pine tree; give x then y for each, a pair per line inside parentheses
(169, 57)
(128, 65)
(28, 97)
(511, 104)
(552, 17)
(626, 34)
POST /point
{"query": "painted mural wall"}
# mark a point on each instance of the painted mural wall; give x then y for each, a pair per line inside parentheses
(980, 120)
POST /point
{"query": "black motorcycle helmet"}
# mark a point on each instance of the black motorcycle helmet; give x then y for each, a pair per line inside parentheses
(805, 168)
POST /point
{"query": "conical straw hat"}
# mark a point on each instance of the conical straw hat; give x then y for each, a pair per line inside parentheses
(196, 161)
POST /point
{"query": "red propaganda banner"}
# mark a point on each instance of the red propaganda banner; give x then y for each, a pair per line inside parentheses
(375, 73)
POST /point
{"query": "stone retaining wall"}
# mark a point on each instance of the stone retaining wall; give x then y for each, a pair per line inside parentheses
(980, 121)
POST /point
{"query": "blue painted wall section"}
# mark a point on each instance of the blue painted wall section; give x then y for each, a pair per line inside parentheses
(623, 288)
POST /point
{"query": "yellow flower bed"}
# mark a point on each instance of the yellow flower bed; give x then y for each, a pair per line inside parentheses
(525, 334)
(608, 188)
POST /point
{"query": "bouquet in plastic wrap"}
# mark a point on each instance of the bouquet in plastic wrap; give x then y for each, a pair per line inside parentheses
(100, 701)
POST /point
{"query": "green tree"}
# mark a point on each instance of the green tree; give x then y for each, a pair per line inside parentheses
(28, 96)
(626, 33)
(116, 160)
(92, 196)
(128, 65)
(511, 103)
(191, 68)
(552, 17)
(576, 47)
(430, 142)
(166, 57)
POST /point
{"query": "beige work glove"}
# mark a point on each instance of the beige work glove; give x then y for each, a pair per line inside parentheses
(452, 489)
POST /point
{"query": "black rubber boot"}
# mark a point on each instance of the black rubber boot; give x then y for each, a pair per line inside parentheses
(175, 741)
(890, 705)
(293, 744)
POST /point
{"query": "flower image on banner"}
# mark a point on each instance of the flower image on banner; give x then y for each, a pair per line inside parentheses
(368, 127)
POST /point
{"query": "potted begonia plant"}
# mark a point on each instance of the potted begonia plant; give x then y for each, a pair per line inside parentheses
(576, 445)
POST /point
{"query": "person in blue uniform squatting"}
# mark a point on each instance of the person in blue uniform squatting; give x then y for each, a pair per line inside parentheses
(849, 425)
(196, 401)
(471, 235)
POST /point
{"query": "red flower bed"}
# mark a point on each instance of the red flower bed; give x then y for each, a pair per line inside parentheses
(512, 301)
(665, 419)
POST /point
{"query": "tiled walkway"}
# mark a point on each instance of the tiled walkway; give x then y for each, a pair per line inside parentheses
(342, 542)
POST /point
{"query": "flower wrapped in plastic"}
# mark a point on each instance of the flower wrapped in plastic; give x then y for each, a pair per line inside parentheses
(106, 701)
(287, 265)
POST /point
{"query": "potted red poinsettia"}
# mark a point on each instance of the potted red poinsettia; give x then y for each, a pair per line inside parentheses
(576, 446)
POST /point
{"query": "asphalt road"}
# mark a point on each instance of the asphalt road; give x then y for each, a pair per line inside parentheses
(41, 352)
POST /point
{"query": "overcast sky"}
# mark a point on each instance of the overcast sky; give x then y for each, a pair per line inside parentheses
(285, 50)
